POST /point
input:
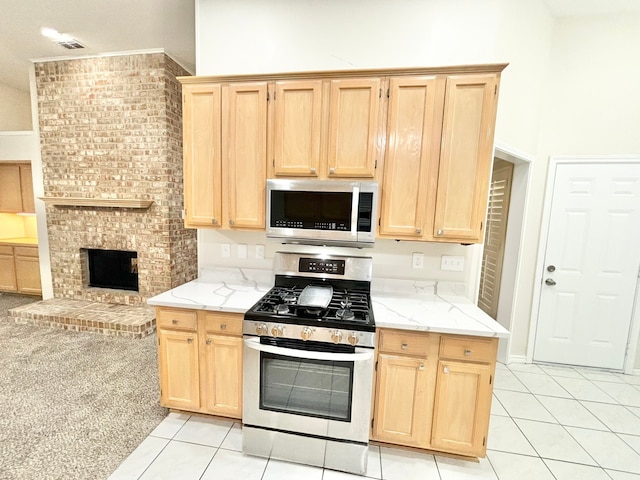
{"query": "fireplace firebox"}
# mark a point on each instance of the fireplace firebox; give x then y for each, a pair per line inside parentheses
(117, 269)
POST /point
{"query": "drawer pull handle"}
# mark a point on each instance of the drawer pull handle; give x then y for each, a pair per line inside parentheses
(223, 326)
(208, 341)
(174, 321)
(467, 352)
(404, 346)
(189, 340)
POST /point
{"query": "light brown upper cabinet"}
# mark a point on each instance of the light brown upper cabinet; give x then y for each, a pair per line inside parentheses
(326, 129)
(202, 155)
(16, 188)
(297, 128)
(244, 146)
(425, 134)
(225, 148)
(465, 157)
(411, 162)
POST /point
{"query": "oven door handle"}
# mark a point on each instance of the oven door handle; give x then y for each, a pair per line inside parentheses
(254, 344)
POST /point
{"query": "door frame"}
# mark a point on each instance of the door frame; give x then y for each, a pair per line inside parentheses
(554, 161)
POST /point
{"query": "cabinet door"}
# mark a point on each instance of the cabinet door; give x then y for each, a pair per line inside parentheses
(462, 408)
(26, 185)
(222, 375)
(411, 163)
(28, 275)
(353, 123)
(7, 272)
(297, 128)
(178, 365)
(10, 190)
(202, 156)
(245, 154)
(465, 159)
(401, 415)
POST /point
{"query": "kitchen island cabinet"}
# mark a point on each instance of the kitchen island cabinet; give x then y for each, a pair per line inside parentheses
(200, 361)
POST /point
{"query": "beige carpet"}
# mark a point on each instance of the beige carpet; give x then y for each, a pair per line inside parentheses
(74, 404)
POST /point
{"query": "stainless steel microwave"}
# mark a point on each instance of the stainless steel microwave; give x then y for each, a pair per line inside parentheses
(322, 212)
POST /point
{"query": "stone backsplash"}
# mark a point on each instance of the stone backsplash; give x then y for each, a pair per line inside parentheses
(111, 127)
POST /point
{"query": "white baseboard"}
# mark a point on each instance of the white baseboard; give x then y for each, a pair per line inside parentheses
(517, 359)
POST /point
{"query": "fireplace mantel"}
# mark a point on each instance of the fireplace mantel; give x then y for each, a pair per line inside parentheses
(96, 202)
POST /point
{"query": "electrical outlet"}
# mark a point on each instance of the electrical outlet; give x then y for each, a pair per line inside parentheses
(453, 263)
(417, 260)
(260, 251)
(225, 250)
(242, 250)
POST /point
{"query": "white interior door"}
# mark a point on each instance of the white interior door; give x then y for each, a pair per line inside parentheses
(591, 266)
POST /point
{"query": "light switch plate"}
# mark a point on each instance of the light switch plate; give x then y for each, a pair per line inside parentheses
(260, 251)
(453, 263)
(242, 250)
(225, 250)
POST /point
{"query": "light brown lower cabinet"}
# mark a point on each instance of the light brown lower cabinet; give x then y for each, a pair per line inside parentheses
(434, 391)
(200, 361)
(20, 269)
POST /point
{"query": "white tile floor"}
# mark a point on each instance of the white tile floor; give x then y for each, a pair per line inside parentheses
(547, 422)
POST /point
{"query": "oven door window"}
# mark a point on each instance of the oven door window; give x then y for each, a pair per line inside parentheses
(315, 388)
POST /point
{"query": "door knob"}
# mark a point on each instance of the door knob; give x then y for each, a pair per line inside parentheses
(551, 268)
(550, 281)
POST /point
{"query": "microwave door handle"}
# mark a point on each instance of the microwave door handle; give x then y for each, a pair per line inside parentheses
(254, 344)
(355, 202)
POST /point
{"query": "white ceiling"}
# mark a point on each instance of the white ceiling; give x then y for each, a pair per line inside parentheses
(101, 25)
(124, 25)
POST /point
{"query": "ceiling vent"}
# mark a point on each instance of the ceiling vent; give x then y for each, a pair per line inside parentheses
(72, 44)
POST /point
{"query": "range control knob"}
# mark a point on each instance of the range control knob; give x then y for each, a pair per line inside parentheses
(262, 329)
(336, 336)
(306, 333)
(352, 338)
(277, 331)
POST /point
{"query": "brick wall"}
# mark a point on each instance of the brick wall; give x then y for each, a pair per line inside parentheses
(111, 127)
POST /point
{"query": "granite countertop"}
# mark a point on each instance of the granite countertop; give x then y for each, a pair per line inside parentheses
(439, 307)
(19, 241)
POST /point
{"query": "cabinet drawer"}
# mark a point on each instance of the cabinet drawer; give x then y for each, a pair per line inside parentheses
(176, 319)
(6, 250)
(25, 251)
(467, 348)
(219, 322)
(397, 341)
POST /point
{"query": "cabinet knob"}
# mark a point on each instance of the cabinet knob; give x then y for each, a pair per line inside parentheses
(467, 353)
(214, 221)
(445, 370)
(313, 170)
(189, 340)
(440, 232)
(421, 366)
(332, 171)
(419, 231)
(208, 341)
(223, 326)
(174, 321)
(231, 222)
(404, 346)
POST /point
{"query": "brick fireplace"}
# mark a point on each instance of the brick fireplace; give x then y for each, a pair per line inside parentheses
(111, 140)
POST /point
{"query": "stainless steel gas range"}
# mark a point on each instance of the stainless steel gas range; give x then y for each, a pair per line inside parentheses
(308, 363)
